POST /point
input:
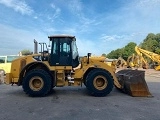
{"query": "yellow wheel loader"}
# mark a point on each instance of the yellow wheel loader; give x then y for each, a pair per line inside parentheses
(61, 66)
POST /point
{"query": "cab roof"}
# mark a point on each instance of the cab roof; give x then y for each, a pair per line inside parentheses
(61, 36)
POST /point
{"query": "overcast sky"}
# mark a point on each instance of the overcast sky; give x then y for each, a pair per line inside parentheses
(99, 25)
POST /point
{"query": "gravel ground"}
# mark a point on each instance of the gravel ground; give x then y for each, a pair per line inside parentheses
(74, 103)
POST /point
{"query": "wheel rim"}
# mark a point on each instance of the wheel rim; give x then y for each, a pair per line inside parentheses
(2, 72)
(36, 83)
(100, 82)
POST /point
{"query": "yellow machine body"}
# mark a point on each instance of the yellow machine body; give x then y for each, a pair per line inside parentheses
(17, 65)
(38, 74)
(95, 62)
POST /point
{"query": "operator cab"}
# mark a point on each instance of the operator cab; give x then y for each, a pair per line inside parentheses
(63, 51)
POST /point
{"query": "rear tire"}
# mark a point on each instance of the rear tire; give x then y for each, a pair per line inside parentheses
(37, 82)
(99, 82)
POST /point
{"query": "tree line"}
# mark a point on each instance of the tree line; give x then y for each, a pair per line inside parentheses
(150, 43)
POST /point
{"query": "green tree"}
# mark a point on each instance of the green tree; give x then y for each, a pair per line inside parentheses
(26, 52)
(128, 50)
(111, 55)
(151, 43)
(157, 49)
(114, 54)
(104, 55)
(124, 52)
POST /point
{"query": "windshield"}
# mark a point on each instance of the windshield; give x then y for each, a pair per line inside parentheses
(75, 50)
(11, 58)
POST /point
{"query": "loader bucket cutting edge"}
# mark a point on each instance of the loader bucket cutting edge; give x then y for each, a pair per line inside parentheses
(133, 83)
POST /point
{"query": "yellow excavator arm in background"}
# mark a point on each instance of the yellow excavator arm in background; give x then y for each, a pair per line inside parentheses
(137, 61)
(153, 56)
(132, 61)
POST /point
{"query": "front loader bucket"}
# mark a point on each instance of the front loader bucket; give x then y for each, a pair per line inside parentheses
(133, 83)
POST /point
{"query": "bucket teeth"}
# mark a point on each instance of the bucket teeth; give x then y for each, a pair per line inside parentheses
(133, 83)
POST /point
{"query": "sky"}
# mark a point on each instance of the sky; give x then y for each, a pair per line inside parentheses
(100, 26)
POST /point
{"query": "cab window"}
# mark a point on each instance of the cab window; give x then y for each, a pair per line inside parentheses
(75, 50)
(55, 46)
(2, 59)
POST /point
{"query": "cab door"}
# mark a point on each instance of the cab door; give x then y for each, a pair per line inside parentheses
(61, 54)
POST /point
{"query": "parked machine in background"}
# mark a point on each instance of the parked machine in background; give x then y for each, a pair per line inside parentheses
(62, 66)
(5, 63)
(153, 56)
(133, 61)
(141, 60)
(136, 61)
(121, 63)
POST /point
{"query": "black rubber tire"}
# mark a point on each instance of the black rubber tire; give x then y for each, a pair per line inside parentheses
(46, 79)
(84, 83)
(90, 82)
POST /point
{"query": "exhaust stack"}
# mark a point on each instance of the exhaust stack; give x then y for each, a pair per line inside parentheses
(35, 47)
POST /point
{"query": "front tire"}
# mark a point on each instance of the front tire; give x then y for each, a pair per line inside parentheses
(37, 82)
(99, 82)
